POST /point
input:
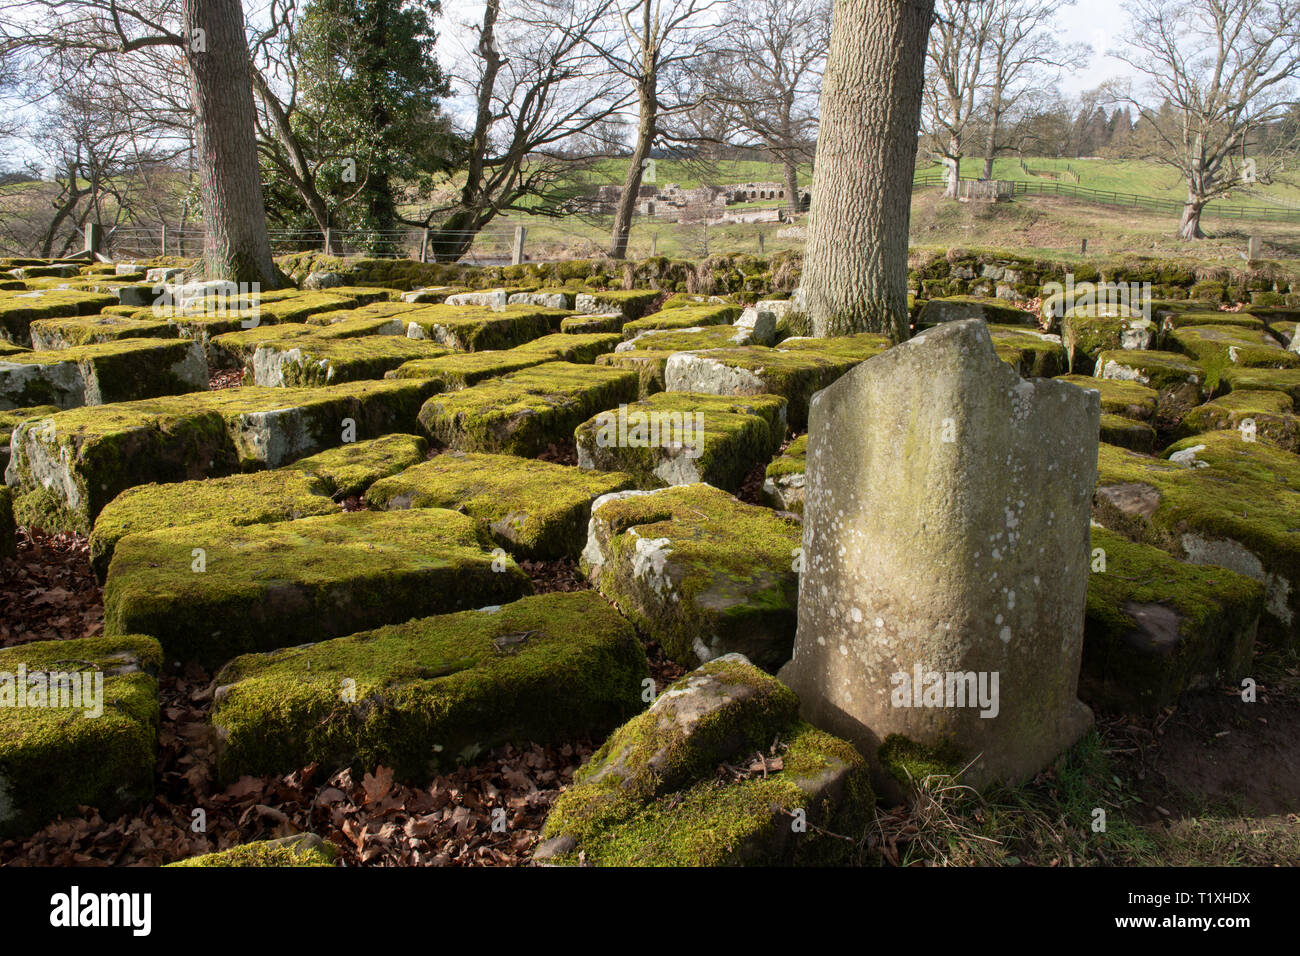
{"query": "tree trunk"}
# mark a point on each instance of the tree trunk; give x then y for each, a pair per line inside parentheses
(991, 145)
(954, 176)
(648, 101)
(235, 242)
(1190, 226)
(791, 184)
(855, 263)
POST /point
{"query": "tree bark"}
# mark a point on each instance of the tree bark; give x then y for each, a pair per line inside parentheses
(954, 174)
(791, 184)
(1190, 225)
(855, 264)
(991, 145)
(235, 243)
(648, 102)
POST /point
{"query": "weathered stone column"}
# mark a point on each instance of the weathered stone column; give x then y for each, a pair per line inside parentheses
(945, 538)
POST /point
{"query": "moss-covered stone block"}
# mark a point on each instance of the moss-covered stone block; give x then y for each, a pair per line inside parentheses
(1088, 331)
(1268, 415)
(90, 329)
(795, 370)
(1228, 344)
(1264, 379)
(18, 310)
(1223, 501)
(425, 694)
(77, 461)
(655, 793)
(1127, 433)
(304, 849)
(258, 587)
(1157, 627)
(470, 329)
(783, 482)
(681, 438)
(579, 348)
(1127, 399)
(630, 303)
(1031, 353)
(534, 509)
(698, 571)
(523, 412)
(691, 317)
(458, 370)
(316, 362)
(103, 373)
(959, 307)
(606, 322)
(1181, 381)
(311, 486)
(10, 418)
(1173, 319)
(78, 727)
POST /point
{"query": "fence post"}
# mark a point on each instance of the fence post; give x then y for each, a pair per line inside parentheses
(1253, 248)
(162, 241)
(760, 243)
(327, 240)
(517, 250)
(424, 245)
(94, 238)
(654, 245)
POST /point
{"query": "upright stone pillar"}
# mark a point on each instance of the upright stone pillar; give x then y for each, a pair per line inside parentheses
(946, 554)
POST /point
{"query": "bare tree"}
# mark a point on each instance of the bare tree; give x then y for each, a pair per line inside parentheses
(1223, 70)
(208, 37)
(1024, 58)
(769, 72)
(855, 263)
(658, 38)
(954, 79)
(529, 107)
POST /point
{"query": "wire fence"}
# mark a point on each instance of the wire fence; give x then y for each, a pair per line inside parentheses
(1107, 197)
(498, 243)
(568, 238)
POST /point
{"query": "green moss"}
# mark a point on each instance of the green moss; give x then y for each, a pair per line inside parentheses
(54, 759)
(1242, 508)
(476, 329)
(1171, 320)
(1119, 397)
(682, 437)
(908, 761)
(1226, 344)
(1032, 354)
(19, 309)
(1271, 414)
(718, 575)
(433, 691)
(685, 318)
(304, 489)
(1266, 379)
(103, 373)
(1126, 433)
(524, 412)
(632, 303)
(590, 324)
(716, 823)
(533, 509)
(289, 852)
(795, 370)
(680, 340)
(579, 348)
(956, 307)
(1198, 626)
(86, 330)
(274, 585)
